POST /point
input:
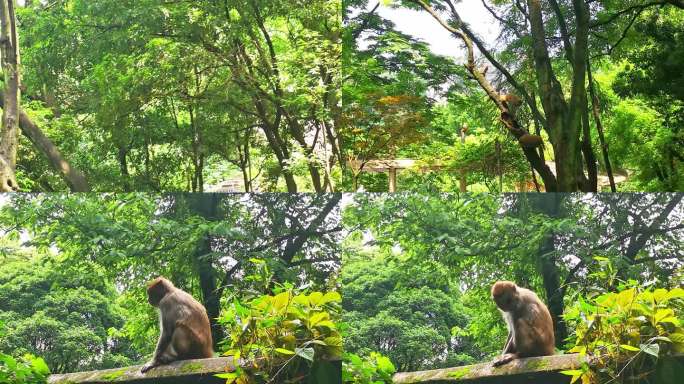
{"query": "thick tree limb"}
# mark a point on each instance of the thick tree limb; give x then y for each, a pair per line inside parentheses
(298, 242)
(490, 57)
(599, 127)
(508, 119)
(563, 29)
(9, 134)
(74, 178)
(364, 24)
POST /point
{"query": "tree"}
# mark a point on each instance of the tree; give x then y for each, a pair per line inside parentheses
(201, 242)
(406, 314)
(178, 96)
(65, 316)
(9, 135)
(552, 76)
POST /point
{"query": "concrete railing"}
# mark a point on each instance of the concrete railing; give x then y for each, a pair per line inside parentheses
(533, 370)
(200, 371)
(542, 370)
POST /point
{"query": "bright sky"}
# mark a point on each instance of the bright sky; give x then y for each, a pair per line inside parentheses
(421, 25)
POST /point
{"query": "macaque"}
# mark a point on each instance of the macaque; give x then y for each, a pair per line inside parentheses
(511, 101)
(185, 329)
(530, 328)
(530, 141)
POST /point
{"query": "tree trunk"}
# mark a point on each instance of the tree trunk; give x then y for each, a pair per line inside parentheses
(550, 204)
(563, 119)
(206, 205)
(74, 178)
(122, 156)
(9, 136)
(507, 117)
(599, 128)
(591, 185)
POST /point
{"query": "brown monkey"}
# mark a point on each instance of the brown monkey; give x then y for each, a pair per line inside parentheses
(530, 141)
(185, 329)
(530, 328)
(511, 100)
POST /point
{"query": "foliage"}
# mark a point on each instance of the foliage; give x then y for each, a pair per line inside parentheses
(627, 334)
(404, 312)
(63, 255)
(287, 337)
(28, 369)
(651, 78)
(178, 96)
(412, 254)
(64, 315)
(372, 369)
(633, 50)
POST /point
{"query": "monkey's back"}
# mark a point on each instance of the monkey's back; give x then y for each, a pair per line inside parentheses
(192, 322)
(534, 335)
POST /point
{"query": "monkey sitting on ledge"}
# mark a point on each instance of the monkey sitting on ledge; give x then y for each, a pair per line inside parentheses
(185, 329)
(530, 328)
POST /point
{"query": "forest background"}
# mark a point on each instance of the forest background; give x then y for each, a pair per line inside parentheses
(597, 89)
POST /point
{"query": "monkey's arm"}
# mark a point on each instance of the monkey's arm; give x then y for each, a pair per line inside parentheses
(162, 345)
(510, 345)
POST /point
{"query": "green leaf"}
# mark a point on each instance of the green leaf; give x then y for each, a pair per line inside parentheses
(674, 294)
(651, 349)
(331, 297)
(228, 375)
(39, 366)
(385, 364)
(575, 373)
(315, 298)
(628, 347)
(665, 315)
(305, 353)
(318, 317)
(284, 351)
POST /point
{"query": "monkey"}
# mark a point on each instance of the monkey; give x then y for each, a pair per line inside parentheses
(510, 100)
(530, 141)
(530, 328)
(185, 330)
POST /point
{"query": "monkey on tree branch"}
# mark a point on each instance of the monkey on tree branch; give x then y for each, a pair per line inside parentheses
(529, 142)
(512, 102)
(559, 108)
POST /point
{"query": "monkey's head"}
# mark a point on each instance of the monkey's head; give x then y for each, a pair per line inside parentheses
(157, 289)
(505, 295)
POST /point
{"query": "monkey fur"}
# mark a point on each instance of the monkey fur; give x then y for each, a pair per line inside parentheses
(511, 100)
(530, 327)
(185, 330)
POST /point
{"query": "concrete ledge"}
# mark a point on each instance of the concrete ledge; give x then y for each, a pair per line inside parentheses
(531, 370)
(200, 371)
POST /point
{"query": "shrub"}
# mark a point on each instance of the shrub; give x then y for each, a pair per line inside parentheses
(627, 335)
(373, 369)
(288, 336)
(28, 369)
